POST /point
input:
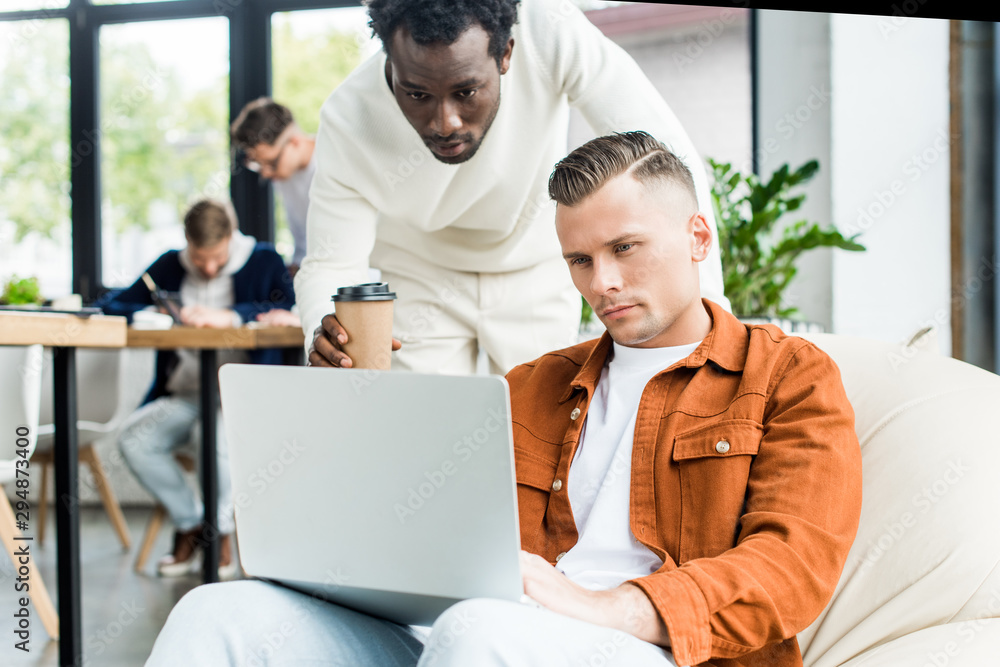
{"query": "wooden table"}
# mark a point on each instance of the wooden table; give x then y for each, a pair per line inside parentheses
(208, 342)
(64, 333)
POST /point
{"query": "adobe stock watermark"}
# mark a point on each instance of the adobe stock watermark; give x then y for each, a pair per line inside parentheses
(425, 314)
(119, 113)
(708, 31)
(604, 652)
(913, 169)
(899, 17)
(304, 606)
(265, 475)
(447, 631)
(791, 122)
(407, 164)
(923, 501)
(271, 642)
(432, 481)
(99, 641)
(563, 11)
(619, 470)
(986, 270)
(29, 28)
(968, 631)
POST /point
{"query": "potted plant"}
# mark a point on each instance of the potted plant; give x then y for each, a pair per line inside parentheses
(21, 292)
(757, 264)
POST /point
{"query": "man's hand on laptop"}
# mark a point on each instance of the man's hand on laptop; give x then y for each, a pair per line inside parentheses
(625, 608)
(327, 347)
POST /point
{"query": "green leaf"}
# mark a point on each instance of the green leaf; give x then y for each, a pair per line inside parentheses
(758, 263)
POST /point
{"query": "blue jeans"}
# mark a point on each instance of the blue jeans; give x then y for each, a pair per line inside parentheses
(254, 623)
(148, 440)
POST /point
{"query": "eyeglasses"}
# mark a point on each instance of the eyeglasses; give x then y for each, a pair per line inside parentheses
(272, 165)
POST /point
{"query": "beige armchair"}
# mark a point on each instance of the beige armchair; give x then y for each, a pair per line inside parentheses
(921, 587)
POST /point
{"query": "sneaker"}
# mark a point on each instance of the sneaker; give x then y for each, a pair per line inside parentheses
(185, 557)
(227, 564)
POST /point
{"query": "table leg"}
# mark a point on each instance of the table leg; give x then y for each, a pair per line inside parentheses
(67, 505)
(210, 462)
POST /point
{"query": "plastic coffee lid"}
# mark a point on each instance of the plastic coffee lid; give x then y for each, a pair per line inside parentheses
(364, 292)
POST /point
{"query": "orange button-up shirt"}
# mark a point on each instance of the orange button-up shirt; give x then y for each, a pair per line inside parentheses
(746, 481)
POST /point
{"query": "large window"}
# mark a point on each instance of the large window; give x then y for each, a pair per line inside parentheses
(20, 5)
(164, 110)
(153, 93)
(121, 2)
(143, 129)
(34, 153)
(312, 53)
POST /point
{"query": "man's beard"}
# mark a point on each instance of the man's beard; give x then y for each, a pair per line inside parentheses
(467, 155)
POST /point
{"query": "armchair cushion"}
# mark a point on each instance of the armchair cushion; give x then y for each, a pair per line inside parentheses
(925, 566)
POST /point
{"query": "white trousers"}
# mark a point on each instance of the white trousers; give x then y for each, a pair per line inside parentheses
(257, 624)
(445, 317)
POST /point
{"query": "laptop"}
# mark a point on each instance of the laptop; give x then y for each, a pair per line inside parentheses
(391, 493)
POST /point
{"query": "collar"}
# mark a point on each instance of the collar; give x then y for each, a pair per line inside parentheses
(725, 345)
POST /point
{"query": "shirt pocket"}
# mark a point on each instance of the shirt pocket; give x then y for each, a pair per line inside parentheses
(714, 462)
(535, 465)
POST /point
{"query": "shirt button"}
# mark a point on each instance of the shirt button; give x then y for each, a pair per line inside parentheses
(575, 413)
(722, 446)
(559, 557)
(556, 485)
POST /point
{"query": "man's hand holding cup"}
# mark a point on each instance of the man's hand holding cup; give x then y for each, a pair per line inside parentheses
(365, 310)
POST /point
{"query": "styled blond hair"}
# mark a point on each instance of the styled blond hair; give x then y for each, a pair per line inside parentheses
(587, 168)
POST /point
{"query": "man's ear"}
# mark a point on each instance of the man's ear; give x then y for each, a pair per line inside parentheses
(388, 73)
(505, 59)
(701, 237)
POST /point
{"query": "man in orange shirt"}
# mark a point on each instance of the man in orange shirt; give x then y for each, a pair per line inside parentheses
(688, 486)
(695, 481)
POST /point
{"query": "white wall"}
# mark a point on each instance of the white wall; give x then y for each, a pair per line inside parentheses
(793, 126)
(891, 175)
(702, 69)
(868, 97)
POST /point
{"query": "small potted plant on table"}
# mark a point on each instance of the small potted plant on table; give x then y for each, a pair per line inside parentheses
(21, 292)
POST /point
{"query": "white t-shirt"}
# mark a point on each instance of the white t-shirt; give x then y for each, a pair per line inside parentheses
(600, 475)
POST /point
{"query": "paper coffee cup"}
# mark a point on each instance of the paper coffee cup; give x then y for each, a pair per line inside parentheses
(365, 311)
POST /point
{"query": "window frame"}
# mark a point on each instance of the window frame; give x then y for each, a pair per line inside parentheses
(249, 78)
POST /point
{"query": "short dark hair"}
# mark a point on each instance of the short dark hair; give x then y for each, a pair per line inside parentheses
(587, 168)
(260, 122)
(442, 21)
(208, 222)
